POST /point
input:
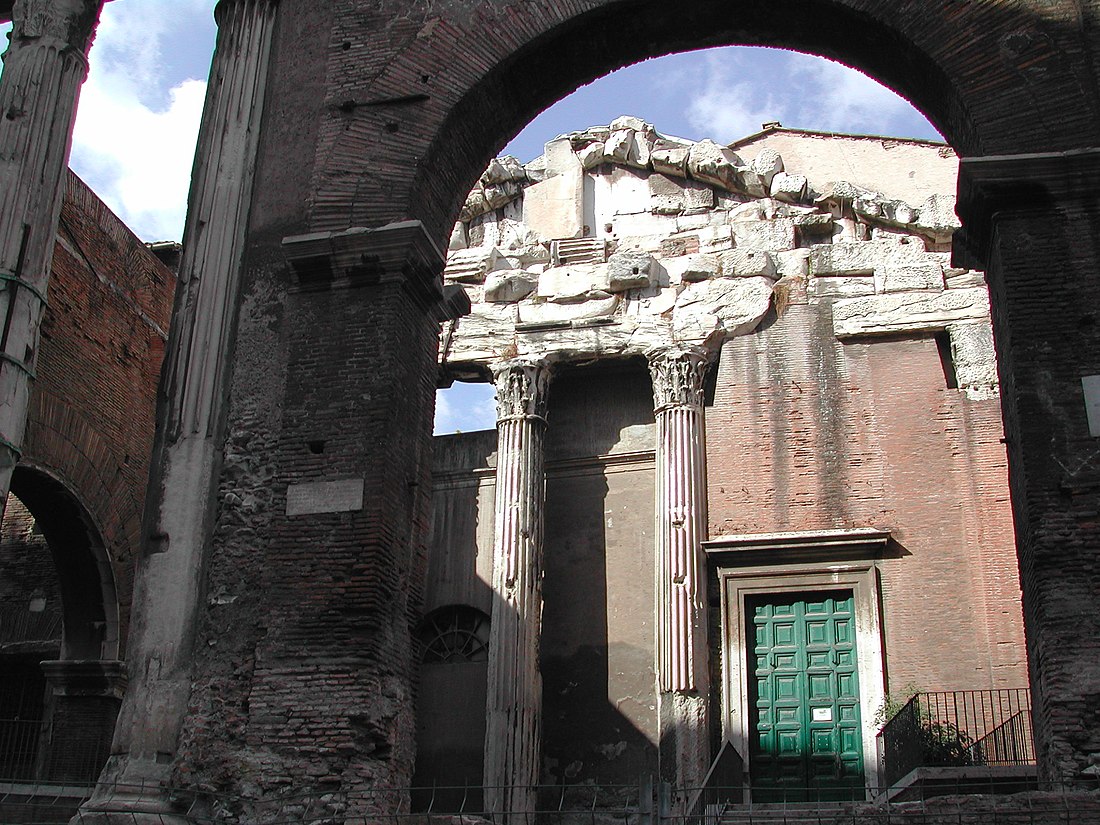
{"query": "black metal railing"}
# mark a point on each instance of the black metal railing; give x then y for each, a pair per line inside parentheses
(19, 739)
(722, 787)
(958, 728)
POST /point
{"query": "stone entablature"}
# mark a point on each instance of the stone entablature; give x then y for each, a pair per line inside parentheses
(619, 239)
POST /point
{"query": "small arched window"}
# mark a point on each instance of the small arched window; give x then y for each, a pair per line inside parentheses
(454, 634)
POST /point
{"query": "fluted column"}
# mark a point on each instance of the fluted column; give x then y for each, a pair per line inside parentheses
(513, 724)
(43, 70)
(190, 422)
(681, 524)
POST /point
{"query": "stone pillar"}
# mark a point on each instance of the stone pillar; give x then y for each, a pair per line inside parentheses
(43, 70)
(81, 713)
(1030, 222)
(681, 526)
(513, 712)
(190, 422)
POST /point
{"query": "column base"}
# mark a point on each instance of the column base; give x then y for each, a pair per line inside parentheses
(133, 791)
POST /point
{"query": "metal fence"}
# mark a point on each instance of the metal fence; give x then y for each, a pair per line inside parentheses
(19, 739)
(958, 728)
(646, 803)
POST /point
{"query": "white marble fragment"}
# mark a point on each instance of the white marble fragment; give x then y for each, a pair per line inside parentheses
(592, 155)
(787, 187)
(554, 208)
(504, 169)
(532, 312)
(630, 270)
(635, 124)
(470, 266)
(974, 358)
(509, 285)
(573, 283)
(714, 164)
(730, 305)
(458, 237)
(670, 160)
(700, 267)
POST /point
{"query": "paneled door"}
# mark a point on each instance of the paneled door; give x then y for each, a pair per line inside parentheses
(805, 741)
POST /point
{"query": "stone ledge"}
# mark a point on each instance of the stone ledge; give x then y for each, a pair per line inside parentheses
(399, 252)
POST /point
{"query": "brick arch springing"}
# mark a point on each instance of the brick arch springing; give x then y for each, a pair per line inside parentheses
(89, 597)
(63, 445)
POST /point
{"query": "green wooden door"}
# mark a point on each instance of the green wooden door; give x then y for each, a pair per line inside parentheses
(805, 739)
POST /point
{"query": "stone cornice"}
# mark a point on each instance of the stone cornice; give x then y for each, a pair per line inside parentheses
(996, 184)
(400, 252)
(86, 678)
(794, 547)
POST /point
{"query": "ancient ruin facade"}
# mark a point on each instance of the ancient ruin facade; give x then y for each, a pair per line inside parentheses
(270, 645)
(72, 526)
(753, 390)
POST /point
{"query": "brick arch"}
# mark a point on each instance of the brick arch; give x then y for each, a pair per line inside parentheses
(443, 94)
(63, 445)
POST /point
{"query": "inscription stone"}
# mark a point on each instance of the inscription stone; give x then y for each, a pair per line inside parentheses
(324, 497)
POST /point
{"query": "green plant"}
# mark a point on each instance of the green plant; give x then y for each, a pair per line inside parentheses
(941, 743)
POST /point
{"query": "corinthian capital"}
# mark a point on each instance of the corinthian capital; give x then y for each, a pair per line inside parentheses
(677, 374)
(521, 385)
(68, 22)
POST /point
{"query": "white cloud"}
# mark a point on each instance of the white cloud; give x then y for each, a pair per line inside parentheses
(135, 134)
(844, 100)
(736, 90)
(725, 108)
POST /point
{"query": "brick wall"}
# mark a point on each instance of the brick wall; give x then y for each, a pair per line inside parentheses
(807, 433)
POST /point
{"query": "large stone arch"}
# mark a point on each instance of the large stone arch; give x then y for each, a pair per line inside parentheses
(416, 108)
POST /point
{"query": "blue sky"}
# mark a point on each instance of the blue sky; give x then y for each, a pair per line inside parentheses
(140, 108)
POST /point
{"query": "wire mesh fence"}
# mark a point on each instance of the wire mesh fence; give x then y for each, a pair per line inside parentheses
(646, 803)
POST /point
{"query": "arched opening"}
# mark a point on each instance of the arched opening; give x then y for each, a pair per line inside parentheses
(797, 348)
(62, 681)
(450, 732)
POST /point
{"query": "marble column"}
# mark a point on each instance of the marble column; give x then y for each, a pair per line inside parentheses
(681, 525)
(180, 504)
(513, 723)
(43, 70)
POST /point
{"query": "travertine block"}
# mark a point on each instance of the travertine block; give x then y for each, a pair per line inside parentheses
(746, 263)
(770, 236)
(908, 311)
(789, 188)
(974, 358)
(767, 164)
(851, 258)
